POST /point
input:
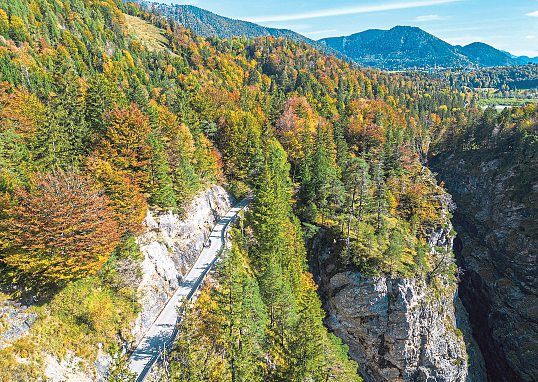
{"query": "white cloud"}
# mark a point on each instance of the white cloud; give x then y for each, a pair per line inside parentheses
(530, 37)
(533, 14)
(426, 18)
(349, 10)
(319, 32)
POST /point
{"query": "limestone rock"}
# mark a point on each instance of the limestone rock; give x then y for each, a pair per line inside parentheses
(397, 329)
(171, 245)
(497, 247)
(15, 322)
(394, 330)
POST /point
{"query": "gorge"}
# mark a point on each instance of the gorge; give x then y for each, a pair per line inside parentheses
(496, 220)
(124, 136)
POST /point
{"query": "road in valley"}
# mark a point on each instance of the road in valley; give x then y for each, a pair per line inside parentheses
(163, 331)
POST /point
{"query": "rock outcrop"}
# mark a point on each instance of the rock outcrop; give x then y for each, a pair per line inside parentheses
(170, 246)
(397, 329)
(15, 322)
(393, 331)
(497, 246)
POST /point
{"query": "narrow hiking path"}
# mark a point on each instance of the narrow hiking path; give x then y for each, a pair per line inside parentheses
(163, 331)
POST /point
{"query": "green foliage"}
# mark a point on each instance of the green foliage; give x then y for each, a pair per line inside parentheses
(151, 113)
(235, 333)
(264, 319)
(119, 370)
(82, 315)
(160, 176)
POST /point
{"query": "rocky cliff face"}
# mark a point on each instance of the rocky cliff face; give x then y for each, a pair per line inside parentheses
(497, 246)
(397, 329)
(170, 246)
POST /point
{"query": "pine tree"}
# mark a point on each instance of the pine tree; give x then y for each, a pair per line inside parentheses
(51, 146)
(379, 197)
(239, 297)
(358, 185)
(320, 186)
(62, 140)
(70, 99)
(100, 98)
(278, 257)
(308, 359)
(395, 250)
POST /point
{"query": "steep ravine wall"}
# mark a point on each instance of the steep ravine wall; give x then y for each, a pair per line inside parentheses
(497, 246)
(397, 329)
(170, 245)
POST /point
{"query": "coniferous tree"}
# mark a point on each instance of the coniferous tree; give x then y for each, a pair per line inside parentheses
(100, 98)
(246, 318)
(51, 146)
(308, 358)
(161, 187)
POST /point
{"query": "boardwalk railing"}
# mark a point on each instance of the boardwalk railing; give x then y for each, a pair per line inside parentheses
(168, 344)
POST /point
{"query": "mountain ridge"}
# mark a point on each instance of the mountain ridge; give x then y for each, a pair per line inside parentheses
(373, 47)
(405, 47)
(208, 24)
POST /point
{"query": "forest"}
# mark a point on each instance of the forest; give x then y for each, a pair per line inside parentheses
(100, 121)
(506, 86)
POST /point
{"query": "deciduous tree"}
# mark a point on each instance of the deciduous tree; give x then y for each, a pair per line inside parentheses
(61, 230)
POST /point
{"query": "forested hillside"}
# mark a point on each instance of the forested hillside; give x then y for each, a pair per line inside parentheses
(406, 47)
(208, 24)
(107, 110)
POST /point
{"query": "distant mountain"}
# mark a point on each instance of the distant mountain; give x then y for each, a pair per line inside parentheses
(398, 48)
(486, 55)
(407, 47)
(401, 47)
(523, 60)
(208, 24)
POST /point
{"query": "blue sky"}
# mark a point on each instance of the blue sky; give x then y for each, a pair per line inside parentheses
(510, 25)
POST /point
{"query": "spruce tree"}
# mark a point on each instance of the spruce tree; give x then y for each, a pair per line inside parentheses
(160, 180)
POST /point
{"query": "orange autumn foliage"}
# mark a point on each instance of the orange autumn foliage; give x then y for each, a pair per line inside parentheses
(125, 144)
(21, 111)
(126, 198)
(63, 229)
(369, 122)
(296, 127)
